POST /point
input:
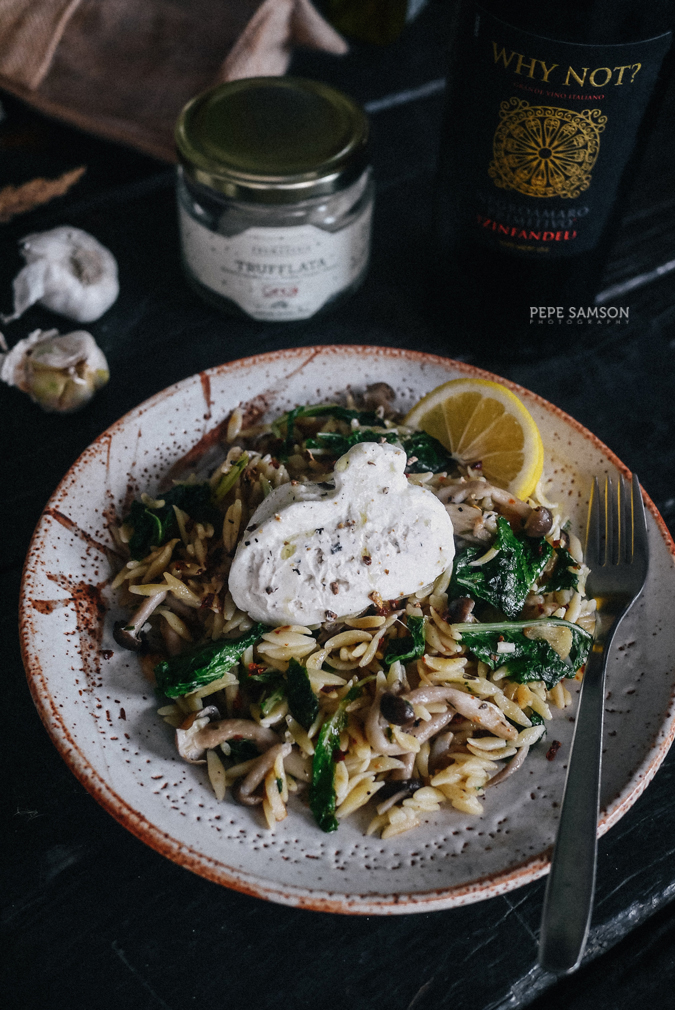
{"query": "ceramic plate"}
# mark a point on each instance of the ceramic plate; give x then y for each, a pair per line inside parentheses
(100, 712)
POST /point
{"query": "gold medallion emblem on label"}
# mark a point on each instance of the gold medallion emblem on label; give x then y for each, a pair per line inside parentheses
(543, 151)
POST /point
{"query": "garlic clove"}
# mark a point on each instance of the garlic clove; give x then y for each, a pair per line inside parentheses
(48, 387)
(29, 287)
(12, 362)
(60, 373)
(68, 271)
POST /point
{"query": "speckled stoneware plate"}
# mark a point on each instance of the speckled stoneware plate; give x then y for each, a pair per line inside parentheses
(100, 712)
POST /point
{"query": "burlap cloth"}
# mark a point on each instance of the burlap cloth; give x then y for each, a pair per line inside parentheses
(124, 68)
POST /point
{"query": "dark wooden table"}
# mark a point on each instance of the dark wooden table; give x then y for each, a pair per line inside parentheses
(94, 919)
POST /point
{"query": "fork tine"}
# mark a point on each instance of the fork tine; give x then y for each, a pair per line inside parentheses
(592, 549)
(618, 505)
(626, 516)
(610, 522)
(639, 538)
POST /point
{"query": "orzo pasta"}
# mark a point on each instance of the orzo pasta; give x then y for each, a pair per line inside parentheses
(406, 704)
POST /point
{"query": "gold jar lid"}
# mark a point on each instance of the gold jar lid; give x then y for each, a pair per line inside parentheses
(273, 139)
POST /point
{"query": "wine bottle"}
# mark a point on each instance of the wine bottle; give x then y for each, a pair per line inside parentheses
(545, 117)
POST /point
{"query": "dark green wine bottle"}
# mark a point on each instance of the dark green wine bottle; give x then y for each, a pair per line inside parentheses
(546, 116)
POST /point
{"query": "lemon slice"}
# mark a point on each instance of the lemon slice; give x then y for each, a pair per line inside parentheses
(481, 421)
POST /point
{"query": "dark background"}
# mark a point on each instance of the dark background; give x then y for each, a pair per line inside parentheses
(92, 918)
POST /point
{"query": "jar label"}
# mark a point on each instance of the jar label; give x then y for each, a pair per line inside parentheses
(277, 273)
(538, 134)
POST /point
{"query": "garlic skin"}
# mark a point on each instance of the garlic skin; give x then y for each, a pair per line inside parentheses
(68, 271)
(60, 373)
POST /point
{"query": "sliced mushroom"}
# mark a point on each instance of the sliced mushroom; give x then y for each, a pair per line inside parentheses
(172, 640)
(198, 733)
(128, 634)
(401, 774)
(396, 710)
(379, 394)
(243, 791)
(459, 609)
(180, 608)
(513, 508)
(242, 729)
(428, 695)
(426, 730)
(458, 491)
(375, 732)
(299, 767)
(186, 734)
(539, 522)
(422, 732)
(506, 502)
(513, 766)
(393, 791)
(244, 799)
(438, 754)
(551, 565)
(536, 522)
(468, 522)
(484, 713)
(126, 637)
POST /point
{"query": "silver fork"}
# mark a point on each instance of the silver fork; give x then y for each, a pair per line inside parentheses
(617, 555)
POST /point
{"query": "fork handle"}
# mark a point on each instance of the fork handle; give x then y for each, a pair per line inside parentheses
(569, 890)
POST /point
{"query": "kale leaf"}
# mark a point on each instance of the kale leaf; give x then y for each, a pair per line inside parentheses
(532, 658)
(290, 431)
(258, 679)
(286, 423)
(277, 694)
(229, 479)
(562, 577)
(505, 580)
(408, 648)
(148, 529)
(301, 698)
(537, 720)
(430, 454)
(197, 667)
(322, 788)
(338, 444)
(268, 686)
(152, 527)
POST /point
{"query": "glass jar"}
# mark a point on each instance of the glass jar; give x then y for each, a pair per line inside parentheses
(275, 196)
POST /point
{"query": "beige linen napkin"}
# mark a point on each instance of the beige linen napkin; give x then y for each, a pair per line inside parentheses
(123, 69)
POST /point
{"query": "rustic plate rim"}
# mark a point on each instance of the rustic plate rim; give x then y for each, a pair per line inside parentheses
(188, 857)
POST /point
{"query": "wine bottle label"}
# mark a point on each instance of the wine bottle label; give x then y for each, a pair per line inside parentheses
(277, 273)
(539, 132)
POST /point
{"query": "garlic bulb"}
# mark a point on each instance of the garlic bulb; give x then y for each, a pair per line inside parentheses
(61, 373)
(68, 271)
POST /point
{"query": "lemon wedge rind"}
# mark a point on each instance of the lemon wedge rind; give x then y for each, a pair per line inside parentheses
(478, 420)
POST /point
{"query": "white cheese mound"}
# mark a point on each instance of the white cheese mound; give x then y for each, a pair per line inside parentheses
(312, 553)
